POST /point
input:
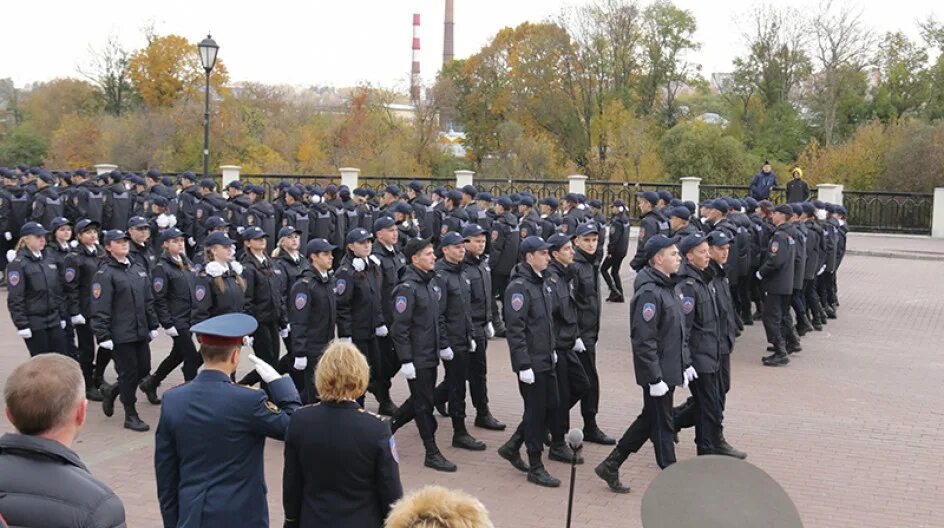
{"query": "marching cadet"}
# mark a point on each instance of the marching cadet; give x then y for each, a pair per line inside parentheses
(797, 230)
(815, 264)
(503, 255)
(456, 341)
(141, 252)
(587, 298)
(415, 334)
(550, 218)
(80, 268)
(596, 215)
(571, 215)
(173, 280)
(261, 213)
(455, 215)
(360, 318)
(186, 208)
(651, 223)
(420, 204)
(35, 295)
(265, 297)
(296, 214)
(761, 230)
(841, 216)
(717, 220)
(529, 223)
(210, 204)
(407, 226)
(392, 263)
(835, 247)
(776, 275)
(572, 381)
(484, 213)
(617, 247)
(220, 287)
(312, 313)
(58, 248)
(680, 221)
(290, 263)
(660, 358)
(529, 315)
(47, 204)
(208, 452)
(476, 269)
(124, 321)
(744, 243)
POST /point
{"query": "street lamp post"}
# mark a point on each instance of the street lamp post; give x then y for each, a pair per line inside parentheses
(208, 49)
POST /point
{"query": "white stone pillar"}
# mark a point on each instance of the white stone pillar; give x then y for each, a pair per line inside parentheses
(937, 214)
(103, 168)
(230, 173)
(349, 176)
(829, 192)
(464, 177)
(691, 189)
(577, 184)
(839, 189)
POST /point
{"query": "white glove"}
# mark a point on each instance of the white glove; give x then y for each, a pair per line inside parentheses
(107, 345)
(25, 333)
(283, 332)
(526, 376)
(236, 267)
(171, 332)
(301, 363)
(658, 389)
(821, 270)
(77, 320)
(446, 354)
(406, 224)
(416, 223)
(554, 357)
(163, 221)
(191, 241)
(489, 330)
(358, 264)
(248, 341)
(344, 339)
(171, 220)
(11, 254)
(240, 229)
(265, 370)
(759, 276)
(62, 324)
(579, 346)
(472, 345)
(381, 331)
(152, 335)
(215, 269)
(74, 244)
(408, 370)
(8, 235)
(689, 375)
(375, 260)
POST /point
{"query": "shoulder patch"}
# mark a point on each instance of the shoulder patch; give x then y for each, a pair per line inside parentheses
(688, 304)
(14, 278)
(96, 289)
(199, 293)
(517, 301)
(340, 286)
(400, 304)
(648, 311)
(272, 407)
(70, 274)
(393, 450)
(158, 284)
(642, 232)
(301, 300)
(774, 246)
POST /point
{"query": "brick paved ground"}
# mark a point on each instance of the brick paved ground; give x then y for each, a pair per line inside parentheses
(853, 428)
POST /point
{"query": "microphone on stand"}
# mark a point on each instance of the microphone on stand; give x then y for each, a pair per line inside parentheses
(575, 441)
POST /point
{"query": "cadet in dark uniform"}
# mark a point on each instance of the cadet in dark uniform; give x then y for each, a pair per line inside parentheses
(208, 452)
(312, 314)
(35, 296)
(680, 221)
(572, 215)
(80, 268)
(265, 298)
(58, 249)
(617, 247)
(815, 264)
(141, 251)
(550, 218)
(415, 334)
(660, 359)
(341, 463)
(529, 306)
(392, 263)
(47, 204)
(503, 255)
(776, 275)
(651, 223)
(529, 222)
(220, 287)
(124, 321)
(290, 264)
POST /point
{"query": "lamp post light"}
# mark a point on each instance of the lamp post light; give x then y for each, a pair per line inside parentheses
(208, 49)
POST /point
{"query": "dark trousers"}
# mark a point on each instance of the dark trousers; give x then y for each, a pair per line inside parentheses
(132, 362)
(709, 414)
(757, 292)
(654, 423)
(452, 389)
(572, 385)
(102, 359)
(265, 342)
(541, 402)
(724, 378)
(389, 365)
(798, 302)
(776, 307)
(743, 291)
(811, 296)
(734, 283)
(46, 340)
(183, 352)
(499, 285)
(590, 402)
(610, 269)
(478, 375)
(825, 285)
(86, 349)
(371, 352)
(419, 406)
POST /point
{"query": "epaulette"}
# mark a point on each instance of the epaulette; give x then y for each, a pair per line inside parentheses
(407, 284)
(690, 282)
(306, 280)
(553, 279)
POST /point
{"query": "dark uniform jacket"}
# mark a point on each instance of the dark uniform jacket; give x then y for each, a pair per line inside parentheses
(392, 263)
(44, 483)
(565, 307)
(777, 269)
(312, 312)
(550, 224)
(815, 249)
(208, 452)
(657, 330)
(186, 211)
(81, 266)
(651, 223)
(834, 245)
(618, 236)
(504, 247)
(743, 240)
(702, 317)
(35, 296)
(569, 221)
(415, 330)
(530, 224)
(211, 301)
(737, 253)
(143, 256)
(726, 316)
(586, 281)
(799, 254)
(455, 320)
(290, 269)
(265, 290)
(341, 468)
(122, 303)
(480, 288)
(689, 229)
(173, 285)
(47, 204)
(359, 298)
(529, 320)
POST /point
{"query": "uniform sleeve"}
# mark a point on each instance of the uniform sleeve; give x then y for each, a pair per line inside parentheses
(166, 466)
(16, 294)
(442, 317)
(686, 290)
(639, 259)
(293, 480)
(644, 333)
(202, 306)
(271, 418)
(39, 209)
(299, 308)
(345, 296)
(70, 284)
(404, 299)
(387, 470)
(160, 287)
(101, 306)
(516, 321)
(498, 244)
(249, 276)
(153, 322)
(777, 253)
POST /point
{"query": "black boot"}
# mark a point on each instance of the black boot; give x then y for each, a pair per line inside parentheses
(510, 451)
(562, 452)
(618, 299)
(728, 448)
(462, 439)
(803, 325)
(593, 434)
(778, 358)
(436, 461)
(149, 386)
(830, 312)
(817, 323)
(441, 409)
(608, 470)
(387, 408)
(485, 420)
(92, 392)
(109, 395)
(538, 474)
(794, 347)
(133, 422)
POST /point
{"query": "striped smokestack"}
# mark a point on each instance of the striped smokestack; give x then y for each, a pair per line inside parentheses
(448, 52)
(415, 68)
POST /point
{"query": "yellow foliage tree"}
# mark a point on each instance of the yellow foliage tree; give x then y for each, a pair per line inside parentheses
(859, 164)
(76, 143)
(169, 68)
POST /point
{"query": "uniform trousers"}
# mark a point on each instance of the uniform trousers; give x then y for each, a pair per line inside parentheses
(46, 340)
(419, 406)
(776, 310)
(86, 349)
(541, 402)
(654, 423)
(132, 362)
(182, 352)
(590, 402)
(610, 270)
(572, 385)
(389, 366)
(709, 414)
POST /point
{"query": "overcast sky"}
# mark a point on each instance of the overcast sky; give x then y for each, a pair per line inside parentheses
(338, 43)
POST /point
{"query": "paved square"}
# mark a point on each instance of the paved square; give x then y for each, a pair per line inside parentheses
(853, 428)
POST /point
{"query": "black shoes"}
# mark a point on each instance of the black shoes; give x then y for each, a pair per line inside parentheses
(387, 408)
(487, 421)
(439, 463)
(778, 358)
(109, 395)
(510, 452)
(562, 452)
(93, 393)
(539, 475)
(135, 424)
(148, 386)
(608, 470)
(464, 440)
(793, 348)
(593, 434)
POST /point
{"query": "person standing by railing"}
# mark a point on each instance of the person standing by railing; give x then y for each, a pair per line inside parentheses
(763, 182)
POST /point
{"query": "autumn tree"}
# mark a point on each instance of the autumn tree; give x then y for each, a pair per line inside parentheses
(46, 104)
(169, 68)
(109, 68)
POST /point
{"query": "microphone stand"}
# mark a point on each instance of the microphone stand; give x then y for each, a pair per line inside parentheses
(573, 475)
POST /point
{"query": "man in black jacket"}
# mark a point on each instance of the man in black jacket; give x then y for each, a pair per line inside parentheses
(503, 255)
(392, 263)
(617, 247)
(660, 358)
(776, 275)
(42, 481)
(797, 189)
(530, 326)
(650, 224)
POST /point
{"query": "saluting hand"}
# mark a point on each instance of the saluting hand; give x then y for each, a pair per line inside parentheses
(265, 370)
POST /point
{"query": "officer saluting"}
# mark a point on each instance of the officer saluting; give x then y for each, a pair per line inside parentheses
(209, 444)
